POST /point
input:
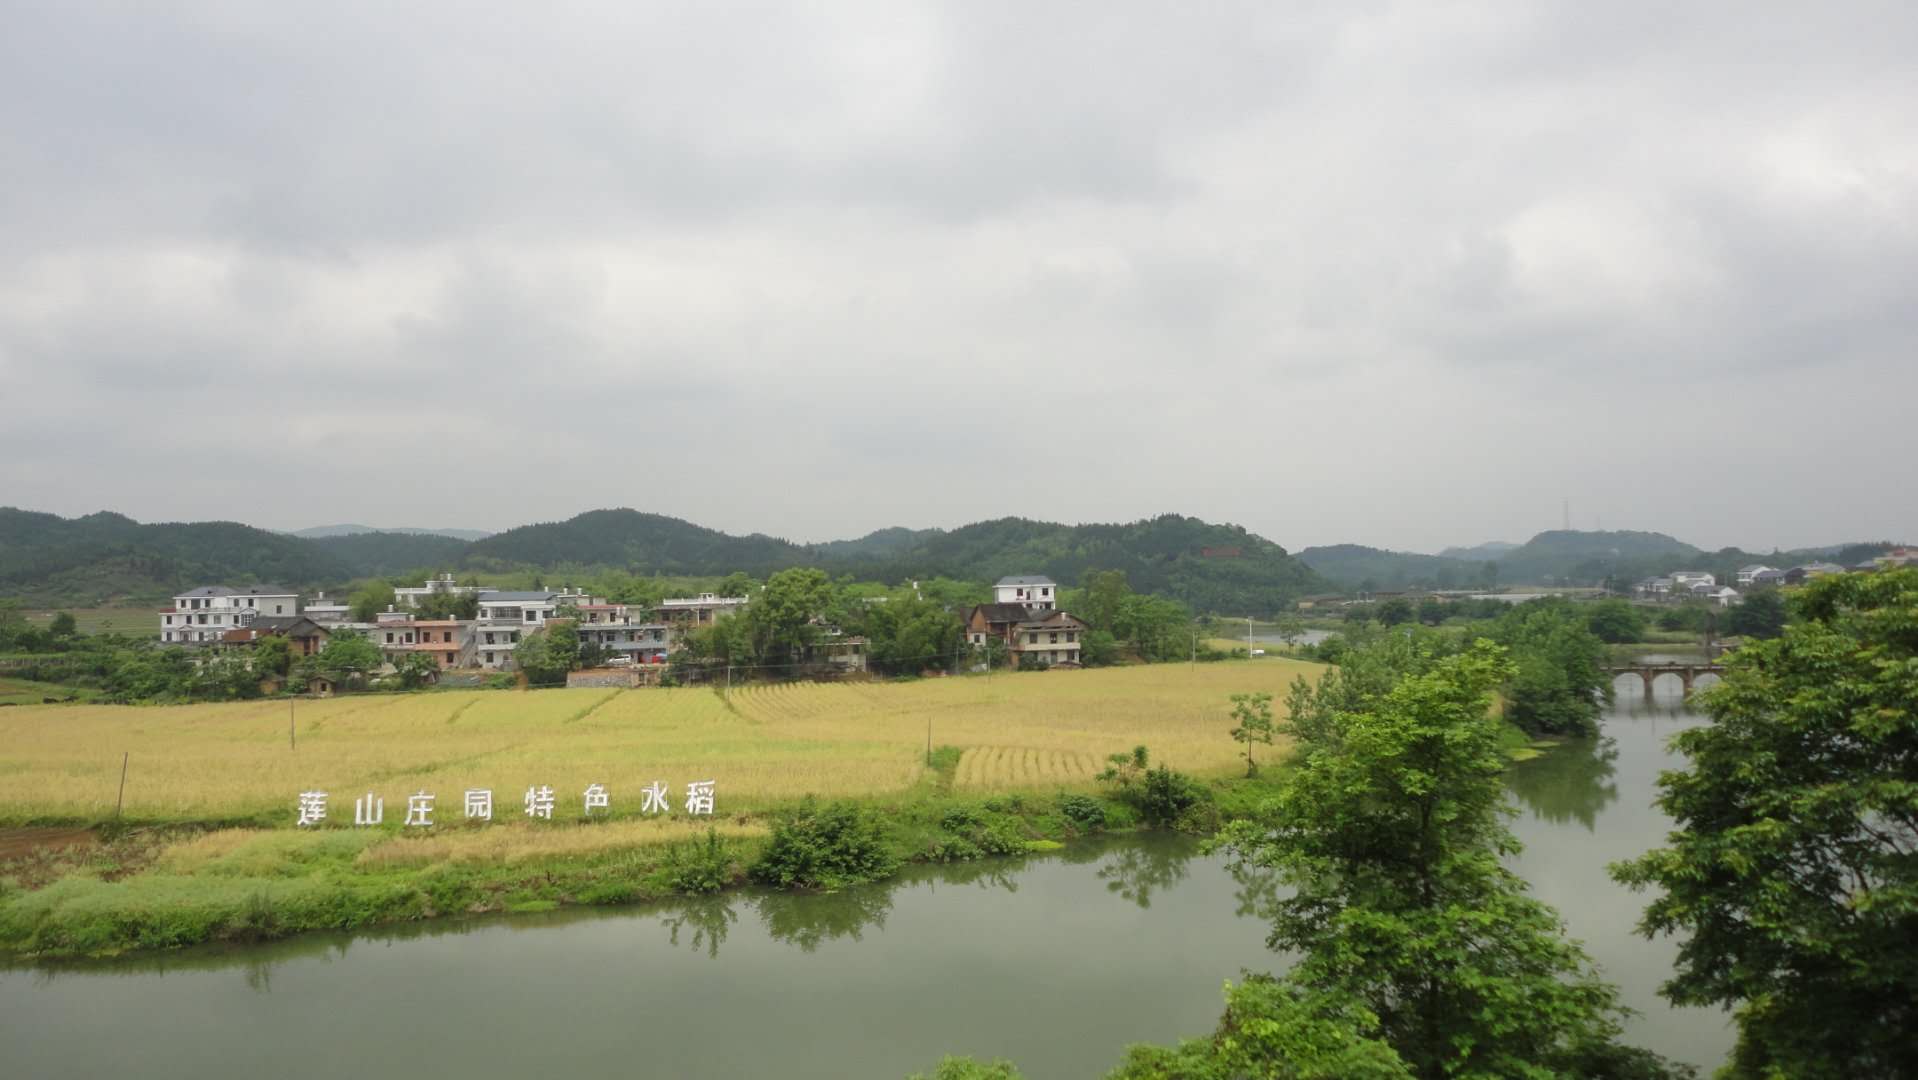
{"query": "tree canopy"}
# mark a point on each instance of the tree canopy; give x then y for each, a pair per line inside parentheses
(1793, 872)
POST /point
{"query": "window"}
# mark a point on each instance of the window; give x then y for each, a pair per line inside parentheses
(449, 658)
(1032, 639)
(1045, 592)
(1072, 635)
(389, 637)
(279, 609)
(1055, 640)
(489, 641)
(447, 636)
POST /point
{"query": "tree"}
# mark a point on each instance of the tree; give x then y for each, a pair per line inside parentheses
(780, 618)
(347, 656)
(1252, 723)
(1560, 676)
(1616, 622)
(908, 634)
(547, 654)
(63, 625)
(1761, 614)
(1102, 593)
(272, 655)
(592, 654)
(1098, 649)
(1792, 877)
(1432, 611)
(417, 669)
(444, 605)
(371, 599)
(1289, 628)
(1392, 837)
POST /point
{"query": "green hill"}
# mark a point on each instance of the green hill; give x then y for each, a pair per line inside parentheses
(635, 541)
(1355, 566)
(106, 556)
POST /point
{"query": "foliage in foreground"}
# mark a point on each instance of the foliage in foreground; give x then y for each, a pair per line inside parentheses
(1392, 835)
(1793, 873)
(826, 847)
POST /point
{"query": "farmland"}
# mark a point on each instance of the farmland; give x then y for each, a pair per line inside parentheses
(763, 746)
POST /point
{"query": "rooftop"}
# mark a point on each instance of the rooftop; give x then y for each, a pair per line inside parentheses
(1024, 579)
(534, 597)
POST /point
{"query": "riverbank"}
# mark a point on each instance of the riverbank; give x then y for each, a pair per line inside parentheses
(164, 887)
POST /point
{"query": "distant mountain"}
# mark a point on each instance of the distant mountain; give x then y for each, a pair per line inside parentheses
(377, 554)
(322, 532)
(1489, 550)
(881, 542)
(105, 556)
(640, 542)
(1354, 566)
(1213, 568)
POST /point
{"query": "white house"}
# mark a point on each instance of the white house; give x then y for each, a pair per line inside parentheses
(327, 611)
(1724, 595)
(1685, 579)
(702, 609)
(204, 614)
(1747, 573)
(1032, 591)
(441, 585)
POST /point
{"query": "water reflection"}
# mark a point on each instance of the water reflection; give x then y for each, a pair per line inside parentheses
(1572, 782)
(1135, 872)
(709, 918)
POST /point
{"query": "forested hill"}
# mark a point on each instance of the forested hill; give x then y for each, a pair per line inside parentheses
(638, 542)
(106, 557)
(1355, 566)
(1213, 568)
(1557, 557)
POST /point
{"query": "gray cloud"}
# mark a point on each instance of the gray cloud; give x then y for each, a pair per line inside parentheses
(1389, 272)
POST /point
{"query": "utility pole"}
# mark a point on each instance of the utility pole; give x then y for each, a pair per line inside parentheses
(289, 725)
(120, 799)
(1248, 637)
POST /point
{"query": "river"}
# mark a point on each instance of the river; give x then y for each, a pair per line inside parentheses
(1055, 962)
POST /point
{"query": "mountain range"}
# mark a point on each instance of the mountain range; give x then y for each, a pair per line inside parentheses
(105, 557)
(321, 532)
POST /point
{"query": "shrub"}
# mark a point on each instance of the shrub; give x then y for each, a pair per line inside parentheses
(700, 866)
(826, 847)
(1086, 814)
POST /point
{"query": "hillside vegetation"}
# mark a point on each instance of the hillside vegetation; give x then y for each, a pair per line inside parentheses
(48, 560)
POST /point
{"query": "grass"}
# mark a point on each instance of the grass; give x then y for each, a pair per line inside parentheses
(144, 619)
(763, 746)
(27, 692)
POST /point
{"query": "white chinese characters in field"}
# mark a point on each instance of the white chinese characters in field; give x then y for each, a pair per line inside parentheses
(540, 802)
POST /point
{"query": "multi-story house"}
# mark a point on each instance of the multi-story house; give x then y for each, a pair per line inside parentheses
(1746, 574)
(507, 617)
(1027, 590)
(625, 631)
(327, 610)
(443, 585)
(1683, 580)
(1030, 623)
(701, 610)
(448, 641)
(202, 615)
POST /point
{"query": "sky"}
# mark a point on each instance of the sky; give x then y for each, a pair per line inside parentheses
(1401, 274)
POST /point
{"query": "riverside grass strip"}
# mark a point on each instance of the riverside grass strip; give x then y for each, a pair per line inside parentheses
(764, 746)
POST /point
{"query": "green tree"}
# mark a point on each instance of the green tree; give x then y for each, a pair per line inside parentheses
(272, 655)
(63, 625)
(547, 654)
(1099, 649)
(1395, 611)
(908, 634)
(1616, 621)
(463, 606)
(1560, 677)
(416, 669)
(1102, 595)
(1432, 611)
(1761, 614)
(1392, 836)
(347, 656)
(1792, 877)
(780, 619)
(371, 599)
(1252, 723)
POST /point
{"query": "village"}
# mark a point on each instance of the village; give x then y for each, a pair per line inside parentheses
(635, 641)
(1701, 585)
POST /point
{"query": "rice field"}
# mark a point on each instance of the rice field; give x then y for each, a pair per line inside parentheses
(759, 745)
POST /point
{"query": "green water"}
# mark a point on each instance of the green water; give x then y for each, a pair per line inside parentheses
(1055, 962)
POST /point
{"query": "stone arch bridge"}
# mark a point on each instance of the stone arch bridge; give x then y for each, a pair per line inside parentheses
(1688, 672)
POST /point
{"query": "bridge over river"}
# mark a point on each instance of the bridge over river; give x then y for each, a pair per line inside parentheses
(1688, 672)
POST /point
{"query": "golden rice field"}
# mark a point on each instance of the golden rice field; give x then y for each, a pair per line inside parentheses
(760, 745)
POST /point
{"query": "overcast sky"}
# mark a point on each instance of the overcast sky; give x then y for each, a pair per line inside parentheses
(1403, 274)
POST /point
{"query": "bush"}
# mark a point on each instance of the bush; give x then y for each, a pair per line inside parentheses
(826, 847)
(1161, 796)
(700, 866)
(1087, 814)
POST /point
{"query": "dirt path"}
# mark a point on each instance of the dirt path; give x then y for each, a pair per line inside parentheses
(18, 843)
